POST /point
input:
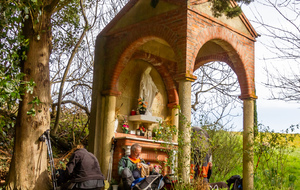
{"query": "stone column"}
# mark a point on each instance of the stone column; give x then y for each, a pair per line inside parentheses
(184, 129)
(108, 131)
(96, 117)
(248, 136)
(97, 133)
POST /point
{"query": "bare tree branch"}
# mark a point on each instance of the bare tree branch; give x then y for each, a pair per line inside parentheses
(74, 103)
(68, 67)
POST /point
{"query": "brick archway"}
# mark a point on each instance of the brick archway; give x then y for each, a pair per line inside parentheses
(131, 52)
(139, 36)
(236, 56)
(200, 61)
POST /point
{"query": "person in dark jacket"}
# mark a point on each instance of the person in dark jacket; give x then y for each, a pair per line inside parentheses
(83, 171)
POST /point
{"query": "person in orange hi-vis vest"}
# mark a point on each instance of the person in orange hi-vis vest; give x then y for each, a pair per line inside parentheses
(201, 165)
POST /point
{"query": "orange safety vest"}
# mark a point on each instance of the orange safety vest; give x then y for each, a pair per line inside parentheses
(204, 171)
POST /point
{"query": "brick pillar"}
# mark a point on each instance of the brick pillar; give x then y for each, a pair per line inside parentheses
(248, 156)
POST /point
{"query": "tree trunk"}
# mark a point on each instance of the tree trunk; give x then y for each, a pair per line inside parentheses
(28, 169)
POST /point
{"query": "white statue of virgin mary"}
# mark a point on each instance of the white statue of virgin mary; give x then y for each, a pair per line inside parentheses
(148, 89)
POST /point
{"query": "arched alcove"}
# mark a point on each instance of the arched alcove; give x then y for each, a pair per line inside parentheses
(128, 85)
(159, 54)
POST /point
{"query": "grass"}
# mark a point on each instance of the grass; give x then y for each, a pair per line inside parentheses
(293, 163)
(281, 171)
(293, 166)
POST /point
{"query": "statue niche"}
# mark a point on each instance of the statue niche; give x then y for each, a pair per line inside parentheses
(148, 89)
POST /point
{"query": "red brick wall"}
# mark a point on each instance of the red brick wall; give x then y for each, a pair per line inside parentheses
(186, 31)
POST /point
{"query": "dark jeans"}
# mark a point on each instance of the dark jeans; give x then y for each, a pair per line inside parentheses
(84, 185)
(127, 178)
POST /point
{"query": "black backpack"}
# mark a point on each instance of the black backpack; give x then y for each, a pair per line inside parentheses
(151, 182)
(237, 182)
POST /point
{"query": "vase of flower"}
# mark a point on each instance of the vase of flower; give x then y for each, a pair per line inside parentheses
(114, 184)
(125, 126)
(138, 132)
(142, 106)
(142, 130)
(125, 131)
(142, 111)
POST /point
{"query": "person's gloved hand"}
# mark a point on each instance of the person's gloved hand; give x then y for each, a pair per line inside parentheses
(138, 165)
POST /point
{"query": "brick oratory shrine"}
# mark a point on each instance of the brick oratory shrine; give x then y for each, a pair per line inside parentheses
(167, 42)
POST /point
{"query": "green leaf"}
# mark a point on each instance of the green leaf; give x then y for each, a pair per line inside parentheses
(36, 101)
(31, 112)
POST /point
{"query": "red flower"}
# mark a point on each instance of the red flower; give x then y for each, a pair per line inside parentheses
(141, 128)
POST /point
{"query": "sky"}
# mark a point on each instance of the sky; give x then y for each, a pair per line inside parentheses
(278, 115)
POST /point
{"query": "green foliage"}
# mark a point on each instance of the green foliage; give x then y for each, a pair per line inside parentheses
(195, 185)
(200, 147)
(35, 102)
(66, 27)
(73, 126)
(13, 49)
(271, 153)
(226, 148)
(167, 133)
(227, 151)
(220, 7)
(293, 168)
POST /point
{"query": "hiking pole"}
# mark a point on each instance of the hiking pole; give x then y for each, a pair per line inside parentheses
(46, 138)
(51, 160)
